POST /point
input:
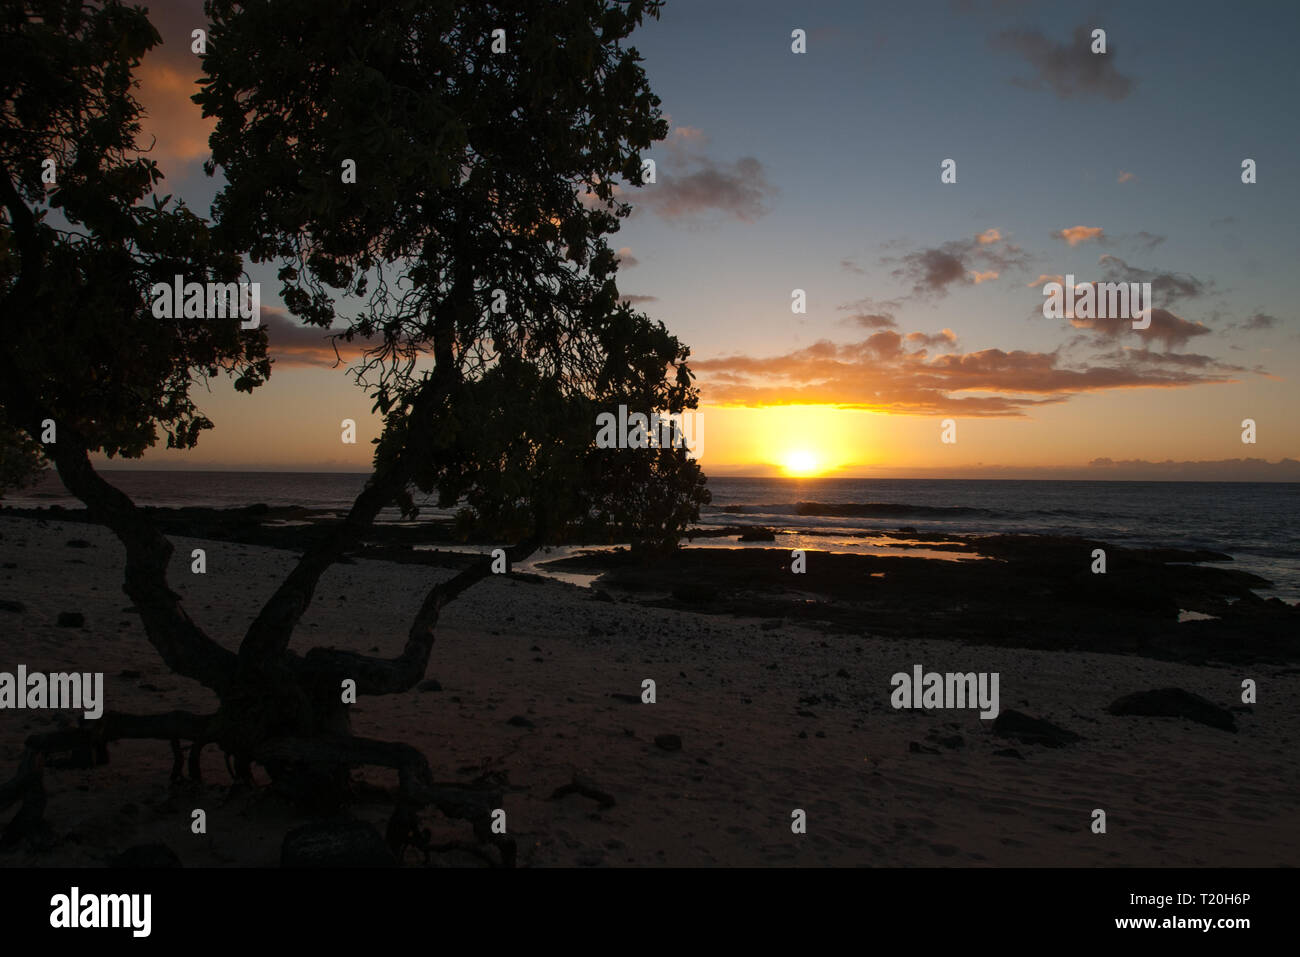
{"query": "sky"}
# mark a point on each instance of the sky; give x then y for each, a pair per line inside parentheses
(821, 171)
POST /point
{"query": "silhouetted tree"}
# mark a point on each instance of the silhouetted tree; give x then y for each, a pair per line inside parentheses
(470, 250)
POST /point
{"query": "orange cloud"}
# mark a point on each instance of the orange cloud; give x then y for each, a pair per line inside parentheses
(1126, 177)
(1078, 234)
(881, 374)
(988, 236)
(979, 277)
(173, 125)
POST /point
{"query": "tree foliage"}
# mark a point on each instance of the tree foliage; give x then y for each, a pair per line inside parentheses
(482, 179)
(78, 256)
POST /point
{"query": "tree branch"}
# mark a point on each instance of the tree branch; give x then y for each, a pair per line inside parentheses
(270, 632)
(376, 676)
(184, 647)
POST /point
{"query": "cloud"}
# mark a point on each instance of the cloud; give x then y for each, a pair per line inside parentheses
(1043, 279)
(173, 125)
(1149, 240)
(1067, 69)
(892, 373)
(690, 183)
(1165, 327)
(1260, 320)
(871, 313)
(932, 271)
(292, 344)
(634, 300)
(625, 258)
(1079, 234)
(1167, 287)
(168, 75)
(944, 339)
(688, 134)
(1185, 359)
(1126, 177)
(848, 265)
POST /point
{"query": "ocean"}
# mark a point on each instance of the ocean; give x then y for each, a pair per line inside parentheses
(1257, 523)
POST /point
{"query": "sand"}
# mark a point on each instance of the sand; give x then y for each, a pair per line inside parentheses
(1174, 792)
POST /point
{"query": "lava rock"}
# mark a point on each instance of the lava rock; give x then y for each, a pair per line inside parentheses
(1029, 730)
(1175, 703)
(72, 619)
(668, 742)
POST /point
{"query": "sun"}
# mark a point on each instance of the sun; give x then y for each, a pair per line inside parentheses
(800, 462)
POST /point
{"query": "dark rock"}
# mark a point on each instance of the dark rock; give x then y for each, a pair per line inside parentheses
(1028, 730)
(587, 788)
(77, 543)
(1175, 703)
(146, 856)
(72, 619)
(695, 592)
(519, 721)
(1009, 753)
(336, 843)
(946, 740)
(128, 673)
(841, 674)
(626, 698)
(669, 742)
(429, 684)
(756, 534)
(601, 595)
(7, 605)
(916, 747)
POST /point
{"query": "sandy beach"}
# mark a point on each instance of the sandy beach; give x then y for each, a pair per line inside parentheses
(772, 717)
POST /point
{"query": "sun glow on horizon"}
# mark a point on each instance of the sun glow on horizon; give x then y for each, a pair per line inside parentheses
(801, 462)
